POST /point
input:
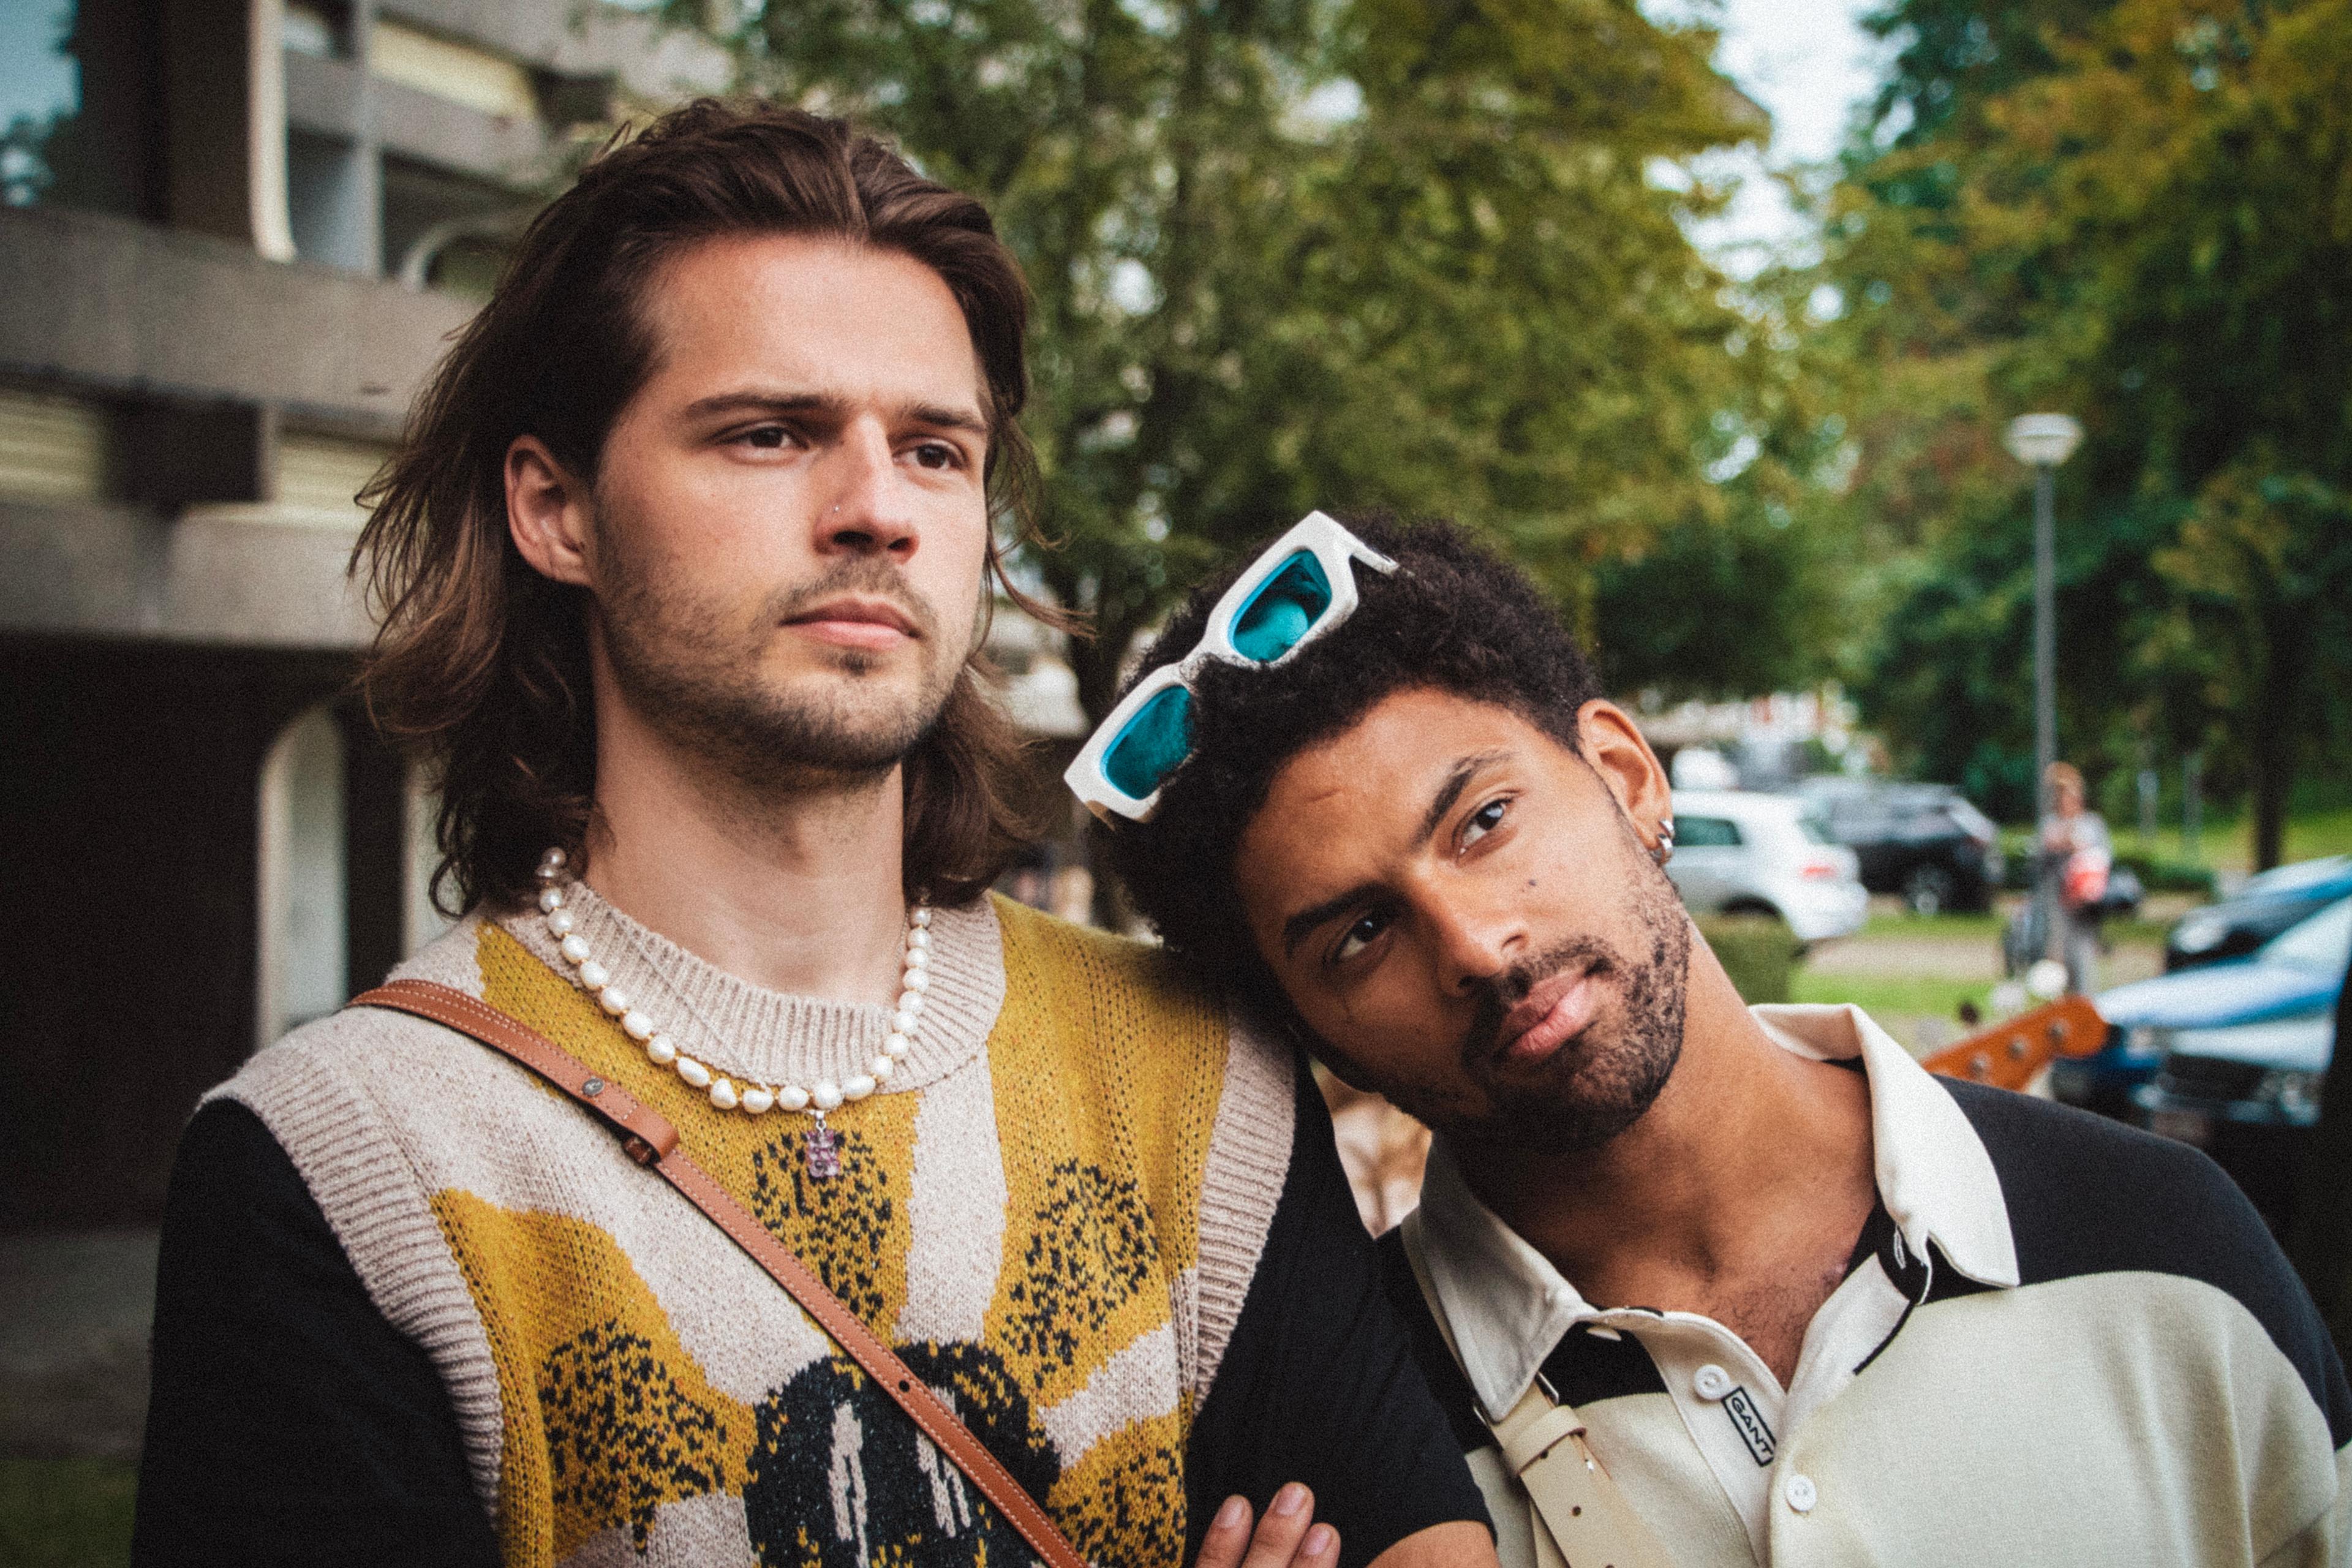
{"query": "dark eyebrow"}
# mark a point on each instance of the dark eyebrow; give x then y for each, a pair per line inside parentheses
(1305, 920)
(1298, 927)
(937, 415)
(1450, 790)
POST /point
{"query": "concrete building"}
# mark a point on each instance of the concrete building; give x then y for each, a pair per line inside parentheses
(236, 235)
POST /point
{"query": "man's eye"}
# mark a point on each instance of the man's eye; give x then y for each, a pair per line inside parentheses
(938, 455)
(1359, 936)
(1483, 821)
(766, 438)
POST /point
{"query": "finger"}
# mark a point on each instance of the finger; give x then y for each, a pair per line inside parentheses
(1287, 1517)
(1321, 1548)
(1228, 1537)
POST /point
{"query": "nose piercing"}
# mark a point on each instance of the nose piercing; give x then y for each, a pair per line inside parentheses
(1665, 850)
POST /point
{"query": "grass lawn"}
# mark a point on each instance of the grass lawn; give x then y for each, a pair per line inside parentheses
(65, 1513)
(2230, 845)
(2135, 932)
(1911, 974)
(1986, 927)
(1886, 996)
(1898, 921)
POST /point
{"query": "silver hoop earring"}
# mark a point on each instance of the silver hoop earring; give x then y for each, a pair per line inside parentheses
(1663, 850)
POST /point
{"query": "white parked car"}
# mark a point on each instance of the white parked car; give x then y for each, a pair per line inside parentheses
(1739, 853)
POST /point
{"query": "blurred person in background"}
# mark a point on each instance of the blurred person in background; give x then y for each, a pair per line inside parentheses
(2075, 859)
(1796, 1299)
(683, 565)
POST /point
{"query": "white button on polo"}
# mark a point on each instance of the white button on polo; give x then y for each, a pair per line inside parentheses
(1560, 1297)
(1801, 1493)
(1711, 1381)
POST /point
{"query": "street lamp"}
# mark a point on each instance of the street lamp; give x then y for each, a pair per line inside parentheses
(2043, 441)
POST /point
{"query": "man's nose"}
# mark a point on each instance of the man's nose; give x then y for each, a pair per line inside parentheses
(870, 507)
(1474, 944)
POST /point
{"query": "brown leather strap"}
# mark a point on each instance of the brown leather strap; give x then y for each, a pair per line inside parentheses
(651, 1140)
(1583, 1518)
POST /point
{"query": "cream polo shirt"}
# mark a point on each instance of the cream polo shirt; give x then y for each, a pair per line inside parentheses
(2059, 1340)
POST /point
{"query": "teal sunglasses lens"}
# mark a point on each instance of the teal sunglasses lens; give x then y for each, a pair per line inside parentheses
(1150, 744)
(1285, 608)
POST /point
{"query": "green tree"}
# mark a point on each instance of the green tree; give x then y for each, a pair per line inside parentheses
(1741, 605)
(2264, 566)
(2140, 211)
(1402, 253)
(2214, 221)
(1948, 671)
(1953, 57)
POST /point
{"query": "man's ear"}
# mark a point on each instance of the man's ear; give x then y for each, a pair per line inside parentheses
(548, 513)
(1614, 748)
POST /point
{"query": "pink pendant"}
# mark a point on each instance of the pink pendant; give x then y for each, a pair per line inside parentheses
(824, 1153)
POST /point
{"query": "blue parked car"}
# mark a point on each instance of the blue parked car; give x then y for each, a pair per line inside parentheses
(2267, 905)
(2271, 905)
(2241, 1049)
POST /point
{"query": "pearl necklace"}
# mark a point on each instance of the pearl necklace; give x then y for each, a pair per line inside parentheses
(755, 1099)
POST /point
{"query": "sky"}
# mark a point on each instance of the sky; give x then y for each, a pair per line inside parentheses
(1809, 64)
(36, 80)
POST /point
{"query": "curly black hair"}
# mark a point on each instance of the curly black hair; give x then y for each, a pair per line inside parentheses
(1455, 618)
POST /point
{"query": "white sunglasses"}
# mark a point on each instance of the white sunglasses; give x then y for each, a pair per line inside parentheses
(1301, 586)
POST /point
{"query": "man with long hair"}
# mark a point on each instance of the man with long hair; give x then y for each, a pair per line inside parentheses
(683, 570)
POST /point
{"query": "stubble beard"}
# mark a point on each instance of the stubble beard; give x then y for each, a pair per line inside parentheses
(694, 671)
(1599, 1084)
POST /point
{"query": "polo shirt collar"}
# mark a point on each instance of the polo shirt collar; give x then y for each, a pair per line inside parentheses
(1508, 1306)
(1505, 1303)
(1934, 1175)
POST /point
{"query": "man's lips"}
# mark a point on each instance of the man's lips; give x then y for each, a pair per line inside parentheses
(856, 622)
(1548, 1016)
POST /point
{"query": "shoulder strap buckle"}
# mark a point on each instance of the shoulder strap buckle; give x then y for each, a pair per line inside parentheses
(1587, 1519)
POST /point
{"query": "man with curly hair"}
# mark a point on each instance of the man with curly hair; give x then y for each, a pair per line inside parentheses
(1803, 1302)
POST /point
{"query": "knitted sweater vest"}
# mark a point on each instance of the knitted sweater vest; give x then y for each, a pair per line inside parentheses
(1052, 1213)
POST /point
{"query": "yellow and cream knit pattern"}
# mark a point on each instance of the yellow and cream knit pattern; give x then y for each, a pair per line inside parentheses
(1052, 1214)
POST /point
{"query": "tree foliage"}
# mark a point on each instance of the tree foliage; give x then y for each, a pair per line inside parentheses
(1737, 606)
(1425, 255)
(2141, 210)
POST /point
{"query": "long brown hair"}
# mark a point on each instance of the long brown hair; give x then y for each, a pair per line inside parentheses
(480, 664)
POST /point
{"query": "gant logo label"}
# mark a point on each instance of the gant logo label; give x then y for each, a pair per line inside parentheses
(1749, 1422)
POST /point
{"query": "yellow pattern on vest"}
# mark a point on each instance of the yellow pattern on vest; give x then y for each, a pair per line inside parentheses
(1105, 1075)
(1103, 1149)
(607, 1416)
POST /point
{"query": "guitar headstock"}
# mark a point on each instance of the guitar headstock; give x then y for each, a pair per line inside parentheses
(2010, 1055)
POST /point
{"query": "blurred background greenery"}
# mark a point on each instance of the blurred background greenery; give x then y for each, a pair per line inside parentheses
(1438, 257)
